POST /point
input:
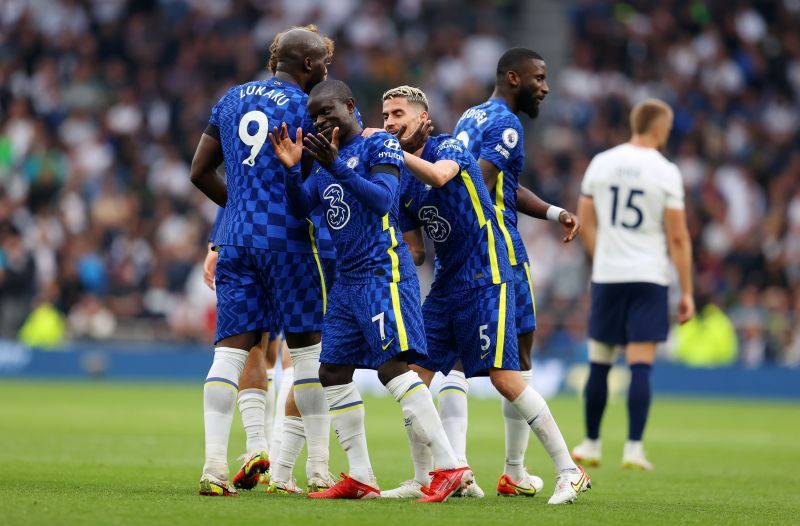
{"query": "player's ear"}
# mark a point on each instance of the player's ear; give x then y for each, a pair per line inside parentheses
(351, 105)
(423, 116)
(308, 64)
(512, 77)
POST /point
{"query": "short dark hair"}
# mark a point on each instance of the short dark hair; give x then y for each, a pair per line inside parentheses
(332, 88)
(513, 59)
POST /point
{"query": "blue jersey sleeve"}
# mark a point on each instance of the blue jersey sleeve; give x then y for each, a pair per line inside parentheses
(452, 149)
(215, 111)
(501, 143)
(383, 148)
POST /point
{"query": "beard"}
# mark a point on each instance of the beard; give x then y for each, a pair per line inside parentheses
(528, 104)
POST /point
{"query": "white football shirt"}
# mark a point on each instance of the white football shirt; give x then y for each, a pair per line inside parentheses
(631, 186)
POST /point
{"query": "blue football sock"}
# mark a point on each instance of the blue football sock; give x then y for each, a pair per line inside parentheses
(638, 400)
(595, 398)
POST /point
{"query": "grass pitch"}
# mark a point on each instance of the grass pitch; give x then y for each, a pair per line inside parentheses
(114, 453)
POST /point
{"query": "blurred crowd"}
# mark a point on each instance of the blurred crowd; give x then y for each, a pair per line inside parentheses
(102, 103)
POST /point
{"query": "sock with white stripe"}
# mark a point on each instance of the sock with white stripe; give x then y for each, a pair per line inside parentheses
(453, 412)
(347, 417)
(533, 408)
(269, 408)
(287, 380)
(417, 405)
(310, 399)
(219, 402)
(517, 434)
(282, 464)
(252, 407)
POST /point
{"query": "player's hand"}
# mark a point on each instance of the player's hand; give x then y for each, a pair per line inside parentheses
(288, 152)
(685, 308)
(570, 224)
(369, 132)
(321, 149)
(210, 267)
(417, 139)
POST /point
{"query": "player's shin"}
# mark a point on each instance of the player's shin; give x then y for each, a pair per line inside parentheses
(252, 406)
(517, 434)
(292, 440)
(310, 399)
(287, 380)
(533, 408)
(420, 454)
(347, 417)
(453, 412)
(219, 401)
(417, 404)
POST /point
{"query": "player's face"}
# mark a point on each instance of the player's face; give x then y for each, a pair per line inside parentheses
(398, 112)
(319, 71)
(533, 87)
(329, 113)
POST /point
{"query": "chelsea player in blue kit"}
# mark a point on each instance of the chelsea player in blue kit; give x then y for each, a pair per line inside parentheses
(469, 314)
(270, 273)
(494, 136)
(373, 319)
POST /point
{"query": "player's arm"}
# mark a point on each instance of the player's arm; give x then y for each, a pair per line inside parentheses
(413, 239)
(680, 250)
(587, 216)
(302, 195)
(203, 172)
(532, 205)
(435, 174)
(377, 193)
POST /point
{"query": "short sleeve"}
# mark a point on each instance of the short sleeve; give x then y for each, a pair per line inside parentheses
(502, 143)
(674, 189)
(384, 149)
(452, 150)
(587, 185)
(215, 111)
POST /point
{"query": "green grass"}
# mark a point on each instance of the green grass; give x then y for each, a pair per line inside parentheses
(109, 453)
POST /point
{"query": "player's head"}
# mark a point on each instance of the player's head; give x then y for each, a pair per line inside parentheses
(303, 53)
(652, 118)
(522, 74)
(404, 106)
(331, 104)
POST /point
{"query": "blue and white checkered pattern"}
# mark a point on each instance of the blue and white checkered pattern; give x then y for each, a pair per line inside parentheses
(466, 326)
(261, 290)
(526, 303)
(491, 131)
(465, 249)
(361, 326)
(257, 214)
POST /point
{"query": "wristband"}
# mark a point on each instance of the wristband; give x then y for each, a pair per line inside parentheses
(554, 213)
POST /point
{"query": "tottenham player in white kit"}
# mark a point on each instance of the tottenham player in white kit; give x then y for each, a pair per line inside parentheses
(631, 208)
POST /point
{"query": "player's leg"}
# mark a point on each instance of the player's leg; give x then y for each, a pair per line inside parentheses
(284, 389)
(239, 327)
(607, 328)
(595, 398)
(453, 409)
(640, 357)
(272, 355)
(252, 403)
(300, 285)
(517, 431)
(293, 436)
(400, 324)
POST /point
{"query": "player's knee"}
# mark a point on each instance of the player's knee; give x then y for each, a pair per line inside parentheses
(600, 352)
(391, 369)
(524, 344)
(334, 375)
(508, 383)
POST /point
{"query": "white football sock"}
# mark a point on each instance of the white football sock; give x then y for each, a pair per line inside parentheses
(310, 400)
(517, 433)
(453, 412)
(287, 380)
(533, 408)
(417, 404)
(269, 408)
(347, 417)
(252, 403)
(292, 443)
(420, 454)
(219, 402)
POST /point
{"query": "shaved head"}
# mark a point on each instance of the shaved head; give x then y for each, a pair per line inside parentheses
(295, 46)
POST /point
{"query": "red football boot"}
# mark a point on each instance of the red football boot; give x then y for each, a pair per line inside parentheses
(347, 488)
(445, 482)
